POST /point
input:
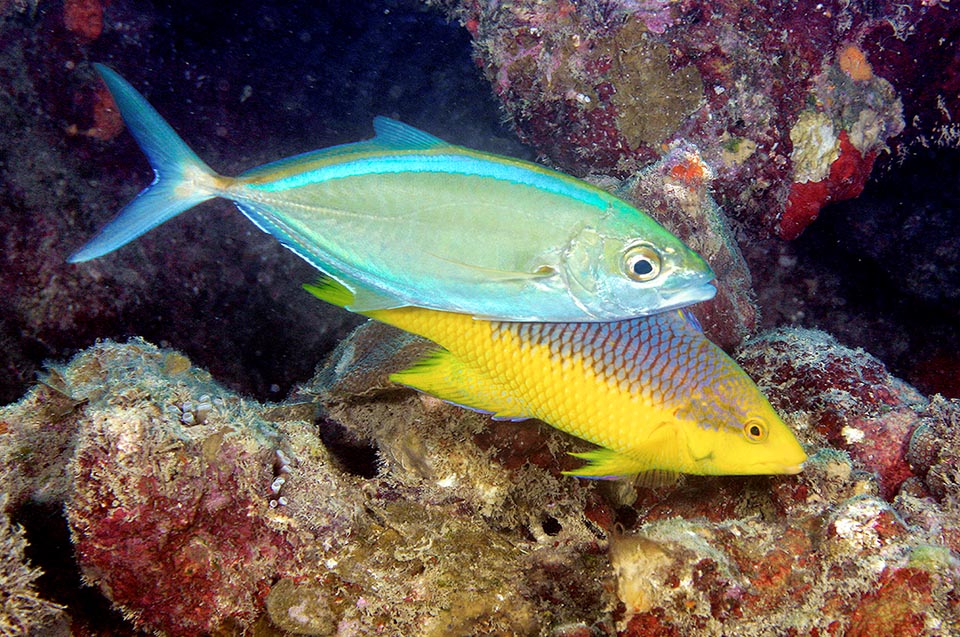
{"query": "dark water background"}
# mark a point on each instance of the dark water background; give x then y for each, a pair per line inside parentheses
(252, 82)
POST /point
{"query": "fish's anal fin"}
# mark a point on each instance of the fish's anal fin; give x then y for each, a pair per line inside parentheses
(606, 464)
(400, 136)
(366, 300)
(443, 375)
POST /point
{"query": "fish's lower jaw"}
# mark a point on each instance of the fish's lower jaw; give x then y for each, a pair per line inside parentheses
(687, 296)
(774, 469)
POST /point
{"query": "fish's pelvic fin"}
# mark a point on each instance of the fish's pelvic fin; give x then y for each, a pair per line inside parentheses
(330, 290)
(356, 299)
(443, 375)
(400, 136)
(181, 179)
(606, 464)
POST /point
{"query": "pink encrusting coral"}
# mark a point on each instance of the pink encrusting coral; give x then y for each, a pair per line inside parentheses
(789, 103)
(676, 190)
(178, 509)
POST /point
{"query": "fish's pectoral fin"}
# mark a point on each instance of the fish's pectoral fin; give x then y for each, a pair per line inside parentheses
(657, 478)
(690, 318)
(443, 375)
(496, 274)
(607, 464)
(400, 136)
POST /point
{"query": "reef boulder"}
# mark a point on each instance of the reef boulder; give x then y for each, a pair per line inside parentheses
(789, 104)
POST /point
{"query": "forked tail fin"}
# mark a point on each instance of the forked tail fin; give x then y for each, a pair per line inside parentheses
(181, 178)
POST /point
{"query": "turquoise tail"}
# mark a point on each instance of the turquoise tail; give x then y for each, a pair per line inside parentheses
(181, 179)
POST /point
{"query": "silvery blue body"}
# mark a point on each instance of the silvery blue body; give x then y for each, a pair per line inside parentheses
(408, 219)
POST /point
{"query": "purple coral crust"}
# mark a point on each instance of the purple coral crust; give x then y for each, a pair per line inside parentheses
(178, 553)
(580, 81)
(852, 401)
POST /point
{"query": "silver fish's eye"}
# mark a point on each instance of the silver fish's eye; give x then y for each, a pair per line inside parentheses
(755, 430)
(642, 263)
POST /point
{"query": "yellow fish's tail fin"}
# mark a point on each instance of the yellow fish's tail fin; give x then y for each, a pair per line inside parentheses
(442, 375)
(330, 290)
(606, 464)
(181, 181)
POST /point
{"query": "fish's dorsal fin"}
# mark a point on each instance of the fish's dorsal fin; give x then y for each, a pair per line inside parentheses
(400, 136)
(391, 135)
(443, 375)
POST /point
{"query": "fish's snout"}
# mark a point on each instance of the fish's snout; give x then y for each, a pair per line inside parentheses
(794, 464)
(686, 294)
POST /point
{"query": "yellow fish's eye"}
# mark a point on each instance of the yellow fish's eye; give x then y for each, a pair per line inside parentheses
(755, 430)
(642, 262)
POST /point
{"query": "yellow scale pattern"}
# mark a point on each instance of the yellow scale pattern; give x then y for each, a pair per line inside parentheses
(513, 378)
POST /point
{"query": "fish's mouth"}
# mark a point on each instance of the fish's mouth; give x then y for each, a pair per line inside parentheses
(687, 295)
(775, 469)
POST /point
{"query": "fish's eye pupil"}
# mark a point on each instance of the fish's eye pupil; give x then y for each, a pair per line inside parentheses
(642, 263)
(642, 267)
(755, 431)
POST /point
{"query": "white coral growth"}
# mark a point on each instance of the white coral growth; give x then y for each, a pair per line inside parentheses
(21, 609)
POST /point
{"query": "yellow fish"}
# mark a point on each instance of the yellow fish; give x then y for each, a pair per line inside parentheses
(653, 392)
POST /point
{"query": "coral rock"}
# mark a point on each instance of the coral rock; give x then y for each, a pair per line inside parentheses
(609, 87)
(847, 396)
(676, 191)
(897, 608)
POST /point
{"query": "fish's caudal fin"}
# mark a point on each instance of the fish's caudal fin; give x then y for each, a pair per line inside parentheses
(181, 179)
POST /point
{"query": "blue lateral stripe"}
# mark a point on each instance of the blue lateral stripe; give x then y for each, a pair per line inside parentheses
(452, 164)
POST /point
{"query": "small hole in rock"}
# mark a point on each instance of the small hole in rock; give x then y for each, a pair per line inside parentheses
(551, 526)
(355, 456)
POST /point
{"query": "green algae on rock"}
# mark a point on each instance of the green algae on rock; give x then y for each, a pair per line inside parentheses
(190, 507)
